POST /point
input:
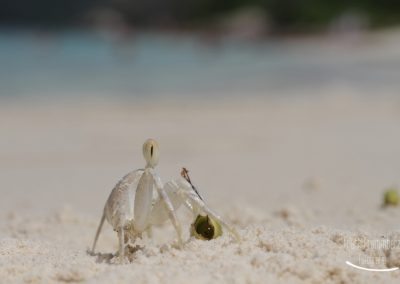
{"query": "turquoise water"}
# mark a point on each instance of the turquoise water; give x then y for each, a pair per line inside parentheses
(87, 64)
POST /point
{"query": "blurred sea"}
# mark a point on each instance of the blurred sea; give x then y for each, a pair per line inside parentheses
(74, 64)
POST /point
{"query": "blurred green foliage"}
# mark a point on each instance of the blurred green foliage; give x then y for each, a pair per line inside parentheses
(282, 15)
(299, 14)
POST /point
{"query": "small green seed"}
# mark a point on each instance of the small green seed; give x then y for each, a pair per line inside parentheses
(391, 197)
(205, 228)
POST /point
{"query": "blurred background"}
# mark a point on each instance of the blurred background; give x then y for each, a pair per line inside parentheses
(140, 49)
(266, 102)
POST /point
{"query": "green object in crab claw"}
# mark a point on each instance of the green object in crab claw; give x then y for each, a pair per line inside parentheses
(205, 228)
(391, 197)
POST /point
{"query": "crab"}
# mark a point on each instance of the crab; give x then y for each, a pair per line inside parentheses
(133, 208)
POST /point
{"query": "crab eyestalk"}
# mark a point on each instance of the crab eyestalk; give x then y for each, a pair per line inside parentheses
(205, 228)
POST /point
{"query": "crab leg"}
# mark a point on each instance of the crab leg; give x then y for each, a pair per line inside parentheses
(121, 239)
(103, 217)
(168, 205)
(143, 201)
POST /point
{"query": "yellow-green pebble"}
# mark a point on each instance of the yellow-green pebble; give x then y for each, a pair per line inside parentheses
(391, 197)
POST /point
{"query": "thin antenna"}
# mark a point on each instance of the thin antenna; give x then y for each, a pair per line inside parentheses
(185, 175)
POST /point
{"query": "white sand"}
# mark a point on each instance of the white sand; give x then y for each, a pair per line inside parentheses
(299, 178)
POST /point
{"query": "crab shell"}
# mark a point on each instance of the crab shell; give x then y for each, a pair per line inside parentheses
(213, 228)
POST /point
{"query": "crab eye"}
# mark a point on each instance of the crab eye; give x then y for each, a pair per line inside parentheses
(151, 152)
(204, 227)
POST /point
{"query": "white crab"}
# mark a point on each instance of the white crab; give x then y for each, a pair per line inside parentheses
(132, 208)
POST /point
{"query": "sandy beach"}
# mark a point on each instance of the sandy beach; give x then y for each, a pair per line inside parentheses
(301, 179)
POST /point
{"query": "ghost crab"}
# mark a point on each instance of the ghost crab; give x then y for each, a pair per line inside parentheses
(132, 208)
